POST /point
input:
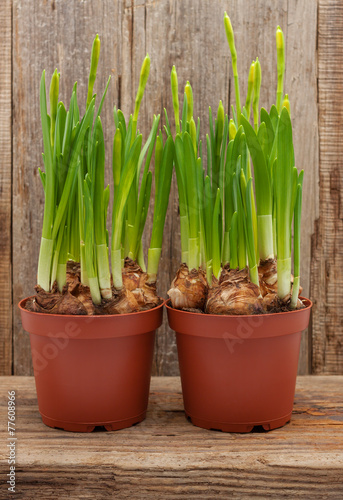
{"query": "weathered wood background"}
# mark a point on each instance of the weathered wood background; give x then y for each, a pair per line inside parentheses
(165, 457)
(37, 34)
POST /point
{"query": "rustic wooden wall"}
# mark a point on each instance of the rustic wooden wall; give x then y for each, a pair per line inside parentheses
(39, 34)
(5, 189)
(327, 240)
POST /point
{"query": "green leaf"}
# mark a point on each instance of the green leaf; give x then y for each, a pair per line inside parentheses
(158, 160)
(265, 118)
(208, 216)
(234, 242)
(98, 185)
(167, 123)
(49, 206)
(72, 171)
(148, 146)
(262, 178)
(249, 225)
(184, 115)
(42, 176)
(103, 98)
(274, 117)
(262, 136)
(213, 156)
(181, 175)
(128, 174)
(191, 186)
(162, 196)
(228, 207)
(284, 184)
(216, 236)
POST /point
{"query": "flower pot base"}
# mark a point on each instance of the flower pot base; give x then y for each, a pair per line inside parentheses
(238, 372)
(92, 371)
(236, 427)
(90, 426)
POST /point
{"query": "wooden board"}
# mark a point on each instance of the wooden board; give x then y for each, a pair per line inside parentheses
(6, 188)
(200, 54)
(60, 35)
(327, 241)
(167, 457)
(189, 34)
(301, 84)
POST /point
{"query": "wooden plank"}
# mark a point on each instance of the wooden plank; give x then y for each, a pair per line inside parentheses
(46, 35)
(167, 457)
(327, 255)
(301, 84)
(255, 25)
(198, 48)
(196, 44)
(6, 188)
(61, 33)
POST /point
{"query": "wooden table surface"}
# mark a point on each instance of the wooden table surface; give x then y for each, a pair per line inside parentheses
(167, 457)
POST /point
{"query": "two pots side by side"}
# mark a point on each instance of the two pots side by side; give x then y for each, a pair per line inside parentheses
(238, 372)
(92, 371)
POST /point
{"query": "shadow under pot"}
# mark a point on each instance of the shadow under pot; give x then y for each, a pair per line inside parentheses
(92, 371)
(238, 372)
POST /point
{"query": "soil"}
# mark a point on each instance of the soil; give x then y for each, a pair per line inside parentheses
(233, 293)
(75, 299)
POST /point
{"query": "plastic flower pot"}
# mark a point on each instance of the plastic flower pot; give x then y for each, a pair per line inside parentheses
(92, 370)
(238, 372)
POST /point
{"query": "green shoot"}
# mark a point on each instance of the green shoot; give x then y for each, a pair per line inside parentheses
(250, 89)
(231, 41)
(280, 51)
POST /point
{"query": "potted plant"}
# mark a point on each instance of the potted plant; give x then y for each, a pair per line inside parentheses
(92, 334)
(234, 304)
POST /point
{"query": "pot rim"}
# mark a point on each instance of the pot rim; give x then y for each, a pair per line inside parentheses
(239, 327)
(308, 302)
(96, 317)
(87, 327)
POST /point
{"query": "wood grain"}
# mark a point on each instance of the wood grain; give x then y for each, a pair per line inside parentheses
(189, 42)
(47, 35)
(327, 241)
(196, 44)
(6, 188)
(301, 84)
(255, 25)
(189, 34)
(166, 457)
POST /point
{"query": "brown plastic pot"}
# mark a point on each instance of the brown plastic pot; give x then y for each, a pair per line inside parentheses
(92, 370)
(238, 372)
